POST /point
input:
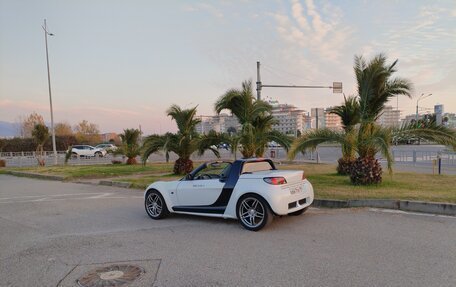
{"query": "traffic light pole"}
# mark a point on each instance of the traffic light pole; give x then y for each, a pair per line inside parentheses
(336, 87)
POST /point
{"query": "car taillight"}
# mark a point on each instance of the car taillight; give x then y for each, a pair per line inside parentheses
(303, 176)
(275, 180)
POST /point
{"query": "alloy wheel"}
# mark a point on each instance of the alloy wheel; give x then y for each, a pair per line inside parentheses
(154, 205)
(251, 212)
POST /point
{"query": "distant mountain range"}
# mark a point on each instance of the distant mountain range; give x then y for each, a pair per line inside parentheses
(8, 129)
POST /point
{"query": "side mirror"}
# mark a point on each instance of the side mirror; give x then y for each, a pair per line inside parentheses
(189, 177)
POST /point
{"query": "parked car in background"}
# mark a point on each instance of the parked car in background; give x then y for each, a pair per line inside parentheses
(87, 151)
(107, 147)
(249, 190)
(224, 146)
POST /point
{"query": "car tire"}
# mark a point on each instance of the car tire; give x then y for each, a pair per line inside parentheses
(98, 154)
(253, 212)
(74, 155)
(299, 212)
(155, 205)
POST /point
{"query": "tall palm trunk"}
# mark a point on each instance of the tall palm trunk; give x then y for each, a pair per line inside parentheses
(183, 166)
(345, 163)
(366, 169)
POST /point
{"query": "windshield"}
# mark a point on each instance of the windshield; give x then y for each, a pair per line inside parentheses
(213, 170)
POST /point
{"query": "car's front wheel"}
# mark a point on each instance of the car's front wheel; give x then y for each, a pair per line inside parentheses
(253, 212)
(98, 154)
(155, 205)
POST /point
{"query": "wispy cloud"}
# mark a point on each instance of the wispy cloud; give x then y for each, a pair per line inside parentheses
(315, 29)
(204, 7)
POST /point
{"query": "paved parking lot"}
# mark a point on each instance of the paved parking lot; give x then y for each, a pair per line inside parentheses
(52, 233)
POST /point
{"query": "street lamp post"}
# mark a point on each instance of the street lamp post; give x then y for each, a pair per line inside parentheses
(417, 101)
(54, 148)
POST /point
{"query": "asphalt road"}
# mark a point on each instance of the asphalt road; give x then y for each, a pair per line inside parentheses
(52, 233)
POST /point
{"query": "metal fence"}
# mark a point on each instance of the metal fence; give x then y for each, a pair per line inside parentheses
(27, 159)
(23, 159)
(422, 156)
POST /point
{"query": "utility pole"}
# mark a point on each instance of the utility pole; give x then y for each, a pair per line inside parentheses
(258, 82)
(54, 148)
(417, 101)
(317, 155)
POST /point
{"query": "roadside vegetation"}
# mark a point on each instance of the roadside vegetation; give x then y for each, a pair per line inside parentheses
(363, 138)
(40, 134)
(130, 146)
(184, 143)
(324, 178)
(255, 119)
(399, 185)
(70, 172)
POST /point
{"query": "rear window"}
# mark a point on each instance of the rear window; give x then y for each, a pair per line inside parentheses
(256, 166)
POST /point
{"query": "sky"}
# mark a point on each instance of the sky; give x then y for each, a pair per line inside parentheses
(121, 64)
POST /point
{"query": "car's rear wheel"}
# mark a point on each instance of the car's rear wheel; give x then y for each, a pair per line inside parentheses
(98, 154)
(155, 205)
(253, 212)
(74, 155)
(299, 212)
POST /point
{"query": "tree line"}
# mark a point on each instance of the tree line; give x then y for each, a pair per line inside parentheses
(84, 132)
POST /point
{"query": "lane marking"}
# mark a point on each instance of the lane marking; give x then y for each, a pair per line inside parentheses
(51, 195)
(67, 199)
(410, 213)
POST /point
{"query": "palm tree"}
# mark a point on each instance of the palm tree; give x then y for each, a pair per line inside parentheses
(376, 86)
(130, 146)
(40, 133)
(255, 119)
(183, 143)
(362, 135)
(349, 114)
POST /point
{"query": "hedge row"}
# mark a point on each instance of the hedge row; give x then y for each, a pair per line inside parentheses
(29, 144)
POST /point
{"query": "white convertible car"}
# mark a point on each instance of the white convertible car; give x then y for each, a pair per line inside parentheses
(251, 190)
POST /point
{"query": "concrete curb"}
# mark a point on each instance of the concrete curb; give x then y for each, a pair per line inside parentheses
(115, 183)
(405, 205)
(36, 175)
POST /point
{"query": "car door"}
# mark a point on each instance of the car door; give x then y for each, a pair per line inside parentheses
(199, 192)
(205, 187)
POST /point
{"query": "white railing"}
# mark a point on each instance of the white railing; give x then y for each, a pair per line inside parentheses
(23, 159)
(419, 156)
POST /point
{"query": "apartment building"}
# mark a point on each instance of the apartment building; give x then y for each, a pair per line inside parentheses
(390, 117)
(289, 119)
(222, 123)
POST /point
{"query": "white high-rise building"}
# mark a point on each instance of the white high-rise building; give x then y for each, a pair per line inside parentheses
(222, 123)
(318, 118)
(289, 119)
(390, 117)
(332, 121)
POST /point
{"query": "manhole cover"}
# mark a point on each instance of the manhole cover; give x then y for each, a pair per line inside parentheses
(111, 276)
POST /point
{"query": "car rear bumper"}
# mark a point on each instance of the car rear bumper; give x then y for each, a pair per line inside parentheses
(286, 201)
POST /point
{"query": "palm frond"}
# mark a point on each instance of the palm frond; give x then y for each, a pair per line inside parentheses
(312, 139)
(380, 141)
(184, 118)
(154, 143)
(349, 112)
(376, 85)
(431, 132)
